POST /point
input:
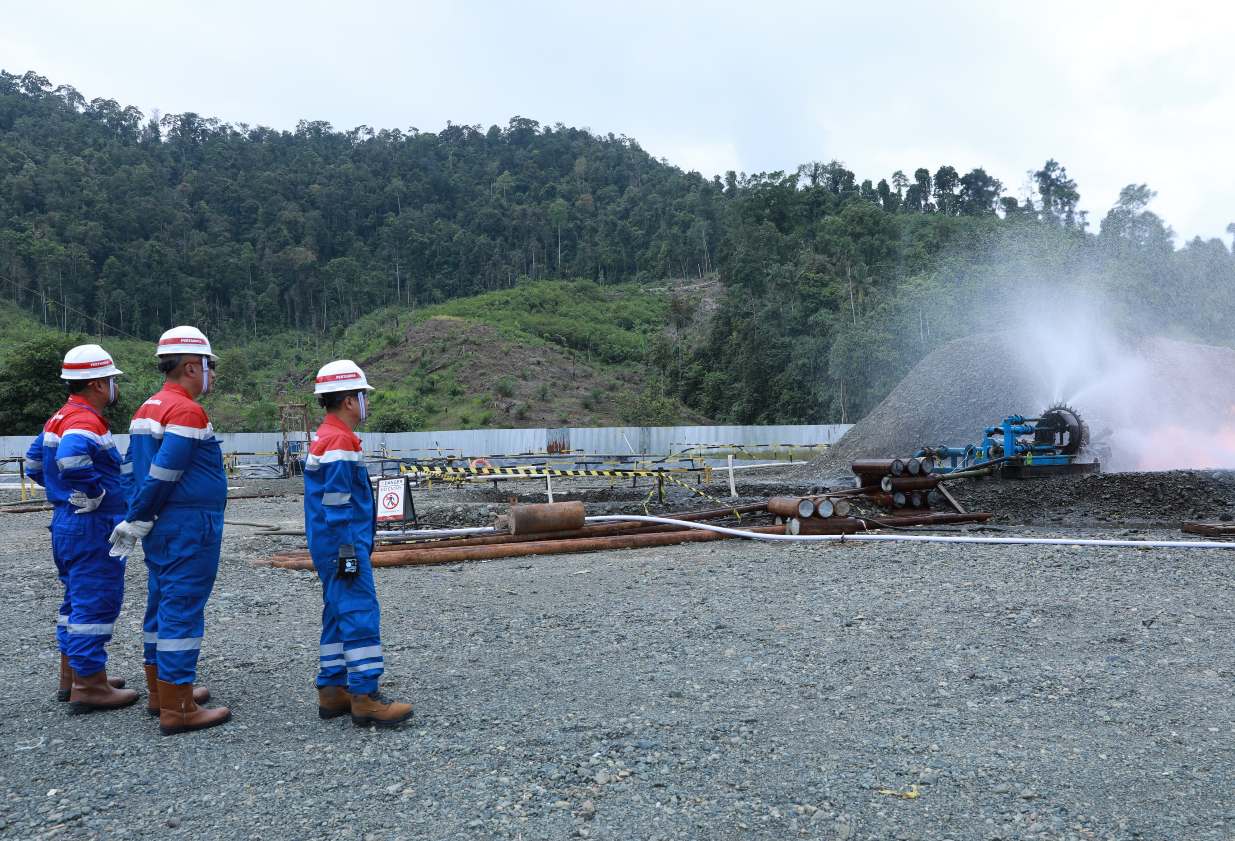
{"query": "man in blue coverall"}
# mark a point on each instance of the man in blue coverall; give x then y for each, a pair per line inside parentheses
(338, 518)
(179, 493)
(75, 459)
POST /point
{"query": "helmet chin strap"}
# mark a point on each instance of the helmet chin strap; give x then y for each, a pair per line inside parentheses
(364, 410)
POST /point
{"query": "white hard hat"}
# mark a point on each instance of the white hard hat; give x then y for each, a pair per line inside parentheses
(341, 375)
(88, 362)
(186, 340)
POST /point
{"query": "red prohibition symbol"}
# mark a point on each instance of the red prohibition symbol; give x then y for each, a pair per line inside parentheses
(390, 500)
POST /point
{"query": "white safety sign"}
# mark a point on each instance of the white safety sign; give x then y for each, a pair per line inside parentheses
(392, 495)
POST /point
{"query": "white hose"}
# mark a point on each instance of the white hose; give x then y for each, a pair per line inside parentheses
(430, 533)
(919, 538)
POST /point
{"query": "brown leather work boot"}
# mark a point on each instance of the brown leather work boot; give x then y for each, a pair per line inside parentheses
(200, 693)
(94, 692)
(333, 701)
(66, 680)
(178, 713)
(374, 709)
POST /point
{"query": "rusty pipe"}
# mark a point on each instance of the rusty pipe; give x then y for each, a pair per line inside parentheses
(933, 519)
(862, 466)
(896, 499)
(546, 517)
(791, 506)
(831, 525)
(429, 556)
(917, 483)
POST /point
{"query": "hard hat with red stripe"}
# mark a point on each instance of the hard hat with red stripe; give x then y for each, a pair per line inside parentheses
(88, 362)
(184, 340)
(341, 375)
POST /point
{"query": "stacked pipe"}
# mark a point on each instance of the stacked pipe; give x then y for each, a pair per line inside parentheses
(560, 528)
(544, 529)
(898, 483)
(814, 514)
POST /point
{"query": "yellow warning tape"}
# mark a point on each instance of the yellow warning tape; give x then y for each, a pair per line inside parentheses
(534, 472)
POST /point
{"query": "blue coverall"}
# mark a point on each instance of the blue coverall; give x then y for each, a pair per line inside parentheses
(338, 510)
(180, 484)
(75, 452)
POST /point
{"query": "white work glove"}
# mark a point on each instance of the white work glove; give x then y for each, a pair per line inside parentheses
(125, 535)
(85, 504)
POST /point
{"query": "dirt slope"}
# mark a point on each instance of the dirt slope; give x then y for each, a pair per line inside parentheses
(518, 384)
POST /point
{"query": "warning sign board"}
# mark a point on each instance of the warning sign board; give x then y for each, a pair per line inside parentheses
(392, 497)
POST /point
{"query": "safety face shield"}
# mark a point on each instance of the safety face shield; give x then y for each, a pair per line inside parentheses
(113, 393)
(361, 406)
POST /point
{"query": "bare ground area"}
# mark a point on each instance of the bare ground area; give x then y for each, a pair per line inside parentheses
(727, 690)
(516, 378)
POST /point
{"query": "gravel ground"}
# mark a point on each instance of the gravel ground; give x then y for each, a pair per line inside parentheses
(1160, 500)
(710, 691)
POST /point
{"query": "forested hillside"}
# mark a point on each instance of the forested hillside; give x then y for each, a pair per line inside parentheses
(139, 222)
(117, 223)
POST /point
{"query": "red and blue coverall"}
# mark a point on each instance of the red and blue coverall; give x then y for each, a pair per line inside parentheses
(179, 484)
(338, 510)
(75, 453)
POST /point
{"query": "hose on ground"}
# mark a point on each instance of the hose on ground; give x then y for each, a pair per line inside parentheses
(919, 538)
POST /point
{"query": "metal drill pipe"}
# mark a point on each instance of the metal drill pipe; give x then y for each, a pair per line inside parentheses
(824, 507)
(791, 506)
(862, 466)
(546, 517)
(429, 556)
(917, 483)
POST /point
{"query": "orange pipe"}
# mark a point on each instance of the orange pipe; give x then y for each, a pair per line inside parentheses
(454, 555)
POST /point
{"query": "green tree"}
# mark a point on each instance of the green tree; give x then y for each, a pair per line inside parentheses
(1058, 192)
(979, 193)
(946, 182)
(30, 386)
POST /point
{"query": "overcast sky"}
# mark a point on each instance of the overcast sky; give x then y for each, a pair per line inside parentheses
(1118, 92)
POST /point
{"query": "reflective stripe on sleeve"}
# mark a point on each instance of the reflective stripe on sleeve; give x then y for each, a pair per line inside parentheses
(163, 474)
(146, 426)
(126, 467)
(314, 460)
(189, 431)
(337, 498)
(85, 433)
(70, 462)
(50, 439)
(34, 464)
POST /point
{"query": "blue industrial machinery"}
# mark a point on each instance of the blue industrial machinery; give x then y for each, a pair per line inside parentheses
(1021, 447)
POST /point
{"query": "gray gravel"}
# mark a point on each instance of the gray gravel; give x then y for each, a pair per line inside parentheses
(709, 691)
